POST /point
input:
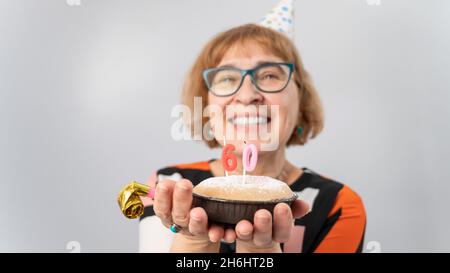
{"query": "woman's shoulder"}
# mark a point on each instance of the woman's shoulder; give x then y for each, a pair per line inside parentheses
(337, 213)
(197, 165)
(331, 193)
(194, 171)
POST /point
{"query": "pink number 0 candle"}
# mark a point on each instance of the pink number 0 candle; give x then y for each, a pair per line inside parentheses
(249, 157)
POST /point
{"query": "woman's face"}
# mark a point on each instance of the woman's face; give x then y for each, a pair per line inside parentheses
(268, 130)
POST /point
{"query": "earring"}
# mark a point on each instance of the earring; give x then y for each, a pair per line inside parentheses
(299, 130)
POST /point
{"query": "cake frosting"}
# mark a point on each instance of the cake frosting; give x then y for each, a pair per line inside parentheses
(254, 188)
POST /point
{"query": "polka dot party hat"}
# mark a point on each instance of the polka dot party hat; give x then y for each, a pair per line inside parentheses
(281, 18)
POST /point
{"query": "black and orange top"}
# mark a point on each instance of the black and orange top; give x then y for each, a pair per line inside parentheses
(336, 222)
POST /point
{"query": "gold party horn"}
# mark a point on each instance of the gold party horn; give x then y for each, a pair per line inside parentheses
(129, 202)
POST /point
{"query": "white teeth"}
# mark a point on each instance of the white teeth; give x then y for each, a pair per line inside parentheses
(248, 120)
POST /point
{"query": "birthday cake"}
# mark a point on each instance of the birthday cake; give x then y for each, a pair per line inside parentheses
(229, 199)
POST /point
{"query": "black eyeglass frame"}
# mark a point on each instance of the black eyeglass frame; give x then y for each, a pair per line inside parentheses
(244, 73)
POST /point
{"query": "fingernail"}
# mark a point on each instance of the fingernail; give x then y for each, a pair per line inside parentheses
(247, 233)
(283, 210)
(212, 240)
(264, 219)
(183, 187)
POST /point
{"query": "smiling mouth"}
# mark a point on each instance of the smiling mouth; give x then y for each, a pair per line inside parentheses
(249, 120)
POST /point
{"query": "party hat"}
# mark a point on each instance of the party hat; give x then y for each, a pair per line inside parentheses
(281, 18)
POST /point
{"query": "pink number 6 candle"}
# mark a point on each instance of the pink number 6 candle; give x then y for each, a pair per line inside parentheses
(250, 157)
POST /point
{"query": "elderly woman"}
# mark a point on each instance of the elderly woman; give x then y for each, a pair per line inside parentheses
(251, 66)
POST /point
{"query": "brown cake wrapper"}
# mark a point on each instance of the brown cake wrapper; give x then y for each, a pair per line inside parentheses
(232, 211)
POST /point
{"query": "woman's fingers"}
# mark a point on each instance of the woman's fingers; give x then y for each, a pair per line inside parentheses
(230, 235)
(262, 228)
(244, 230)
(198, 223)
(181, 204)
(163, 201)
(300, 208)
(215, 233)
(282, 223)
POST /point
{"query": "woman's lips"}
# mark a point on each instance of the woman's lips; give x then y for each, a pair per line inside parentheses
(249, 120)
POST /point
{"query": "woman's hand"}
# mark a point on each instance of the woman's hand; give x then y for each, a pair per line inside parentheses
(265, 235)
(172, 204)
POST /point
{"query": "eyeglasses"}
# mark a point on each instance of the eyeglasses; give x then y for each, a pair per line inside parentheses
(268, 77)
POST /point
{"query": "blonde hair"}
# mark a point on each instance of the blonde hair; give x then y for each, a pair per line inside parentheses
(310, 117)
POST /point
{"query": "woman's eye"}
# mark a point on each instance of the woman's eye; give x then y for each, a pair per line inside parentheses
(226, 80)
(270, 77)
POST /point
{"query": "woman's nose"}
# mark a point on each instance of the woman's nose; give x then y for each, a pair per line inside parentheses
(248, 94)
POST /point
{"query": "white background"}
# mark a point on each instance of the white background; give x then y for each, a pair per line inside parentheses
(86, 93)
